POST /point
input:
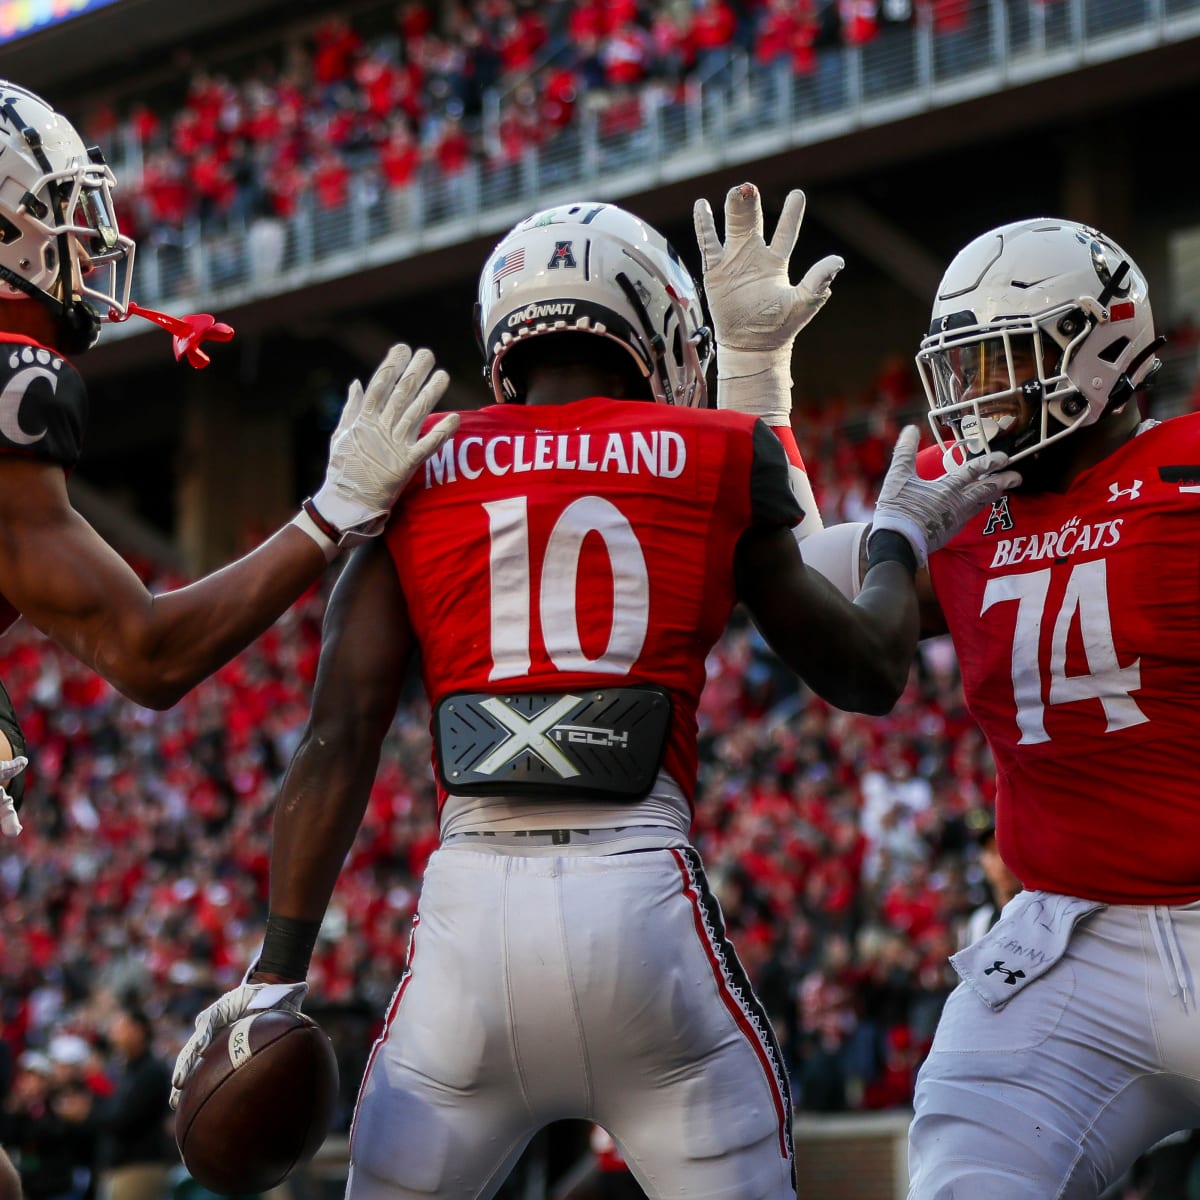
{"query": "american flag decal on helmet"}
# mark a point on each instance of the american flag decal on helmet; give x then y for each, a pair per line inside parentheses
(508, 263)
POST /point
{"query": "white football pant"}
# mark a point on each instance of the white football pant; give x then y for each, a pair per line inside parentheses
(597, 987)
(1053, 1096)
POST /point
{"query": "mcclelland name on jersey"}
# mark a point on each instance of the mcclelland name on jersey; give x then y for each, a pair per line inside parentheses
(660, 452)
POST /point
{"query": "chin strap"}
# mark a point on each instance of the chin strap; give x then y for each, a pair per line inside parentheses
(187, 332)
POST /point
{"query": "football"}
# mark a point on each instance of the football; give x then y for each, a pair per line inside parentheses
(259, 1102)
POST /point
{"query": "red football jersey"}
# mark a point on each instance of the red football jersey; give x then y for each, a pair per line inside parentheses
(585, 544)
(1076, 619)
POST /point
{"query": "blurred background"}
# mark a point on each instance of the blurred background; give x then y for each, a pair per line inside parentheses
(329, 178)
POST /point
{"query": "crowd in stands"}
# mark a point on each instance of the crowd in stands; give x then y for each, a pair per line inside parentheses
(379, 102)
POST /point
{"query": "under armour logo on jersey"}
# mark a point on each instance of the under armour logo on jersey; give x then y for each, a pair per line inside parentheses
(40, 364)
(1116, 492)
(999, 517)
(1010, 977)
(563, 256)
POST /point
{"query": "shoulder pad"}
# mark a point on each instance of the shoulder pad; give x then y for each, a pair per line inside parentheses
(43, 403)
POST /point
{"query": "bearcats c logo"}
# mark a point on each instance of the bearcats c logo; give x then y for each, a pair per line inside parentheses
(16, 389)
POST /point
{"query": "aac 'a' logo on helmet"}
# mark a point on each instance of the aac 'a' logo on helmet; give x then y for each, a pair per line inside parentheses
(563, 256)
(999, 517)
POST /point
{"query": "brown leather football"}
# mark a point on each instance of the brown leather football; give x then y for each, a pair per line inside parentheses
(259, 1103)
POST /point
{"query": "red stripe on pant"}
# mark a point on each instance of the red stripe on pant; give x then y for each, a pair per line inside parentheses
(731, 1002)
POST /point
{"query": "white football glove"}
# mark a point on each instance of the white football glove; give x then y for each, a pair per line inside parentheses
(929, 512)
(755, 310)
(10, 768)
(376, 446)
(245, 998)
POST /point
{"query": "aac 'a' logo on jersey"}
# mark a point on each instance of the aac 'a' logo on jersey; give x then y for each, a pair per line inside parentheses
(999, 517)
(563, 256)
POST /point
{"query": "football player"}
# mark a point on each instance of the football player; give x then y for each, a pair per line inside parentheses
(65, 268)
(1073, 1041)
(563, 565)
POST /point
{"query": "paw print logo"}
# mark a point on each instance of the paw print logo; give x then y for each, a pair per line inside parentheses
(1070, 526)
(28, 365)
(34, 354)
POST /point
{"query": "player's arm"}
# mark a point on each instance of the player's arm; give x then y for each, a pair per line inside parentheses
(365, 650)
(856, 653)
(60, 574)
(839, 552)
(63, 577)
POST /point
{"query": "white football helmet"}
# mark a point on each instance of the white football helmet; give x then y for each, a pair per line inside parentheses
(1038, 328)
(56, 205)
(595, 268)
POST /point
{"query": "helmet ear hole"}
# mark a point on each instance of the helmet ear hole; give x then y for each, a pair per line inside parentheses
(1113, 351)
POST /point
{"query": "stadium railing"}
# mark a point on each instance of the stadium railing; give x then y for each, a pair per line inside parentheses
(735, 115)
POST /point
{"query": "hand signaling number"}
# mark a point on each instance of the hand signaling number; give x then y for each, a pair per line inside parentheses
(756, 310)
(753, 304)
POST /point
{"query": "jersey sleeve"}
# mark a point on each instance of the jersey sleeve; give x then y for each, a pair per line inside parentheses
(43, 404)
(772, 501)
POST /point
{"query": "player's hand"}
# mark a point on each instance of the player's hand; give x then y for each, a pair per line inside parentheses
(377, 446)
(929, 512)
(246, 998)
(10, 768)
(755, 309)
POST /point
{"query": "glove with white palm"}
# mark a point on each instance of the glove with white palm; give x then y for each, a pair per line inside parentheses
(10, 768)
(376, 447)
(929, 512)
(231, 1007)
(756, 311)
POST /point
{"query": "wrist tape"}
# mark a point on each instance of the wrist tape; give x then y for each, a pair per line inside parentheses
(317, 528)
(287, 946)
(886, 545)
